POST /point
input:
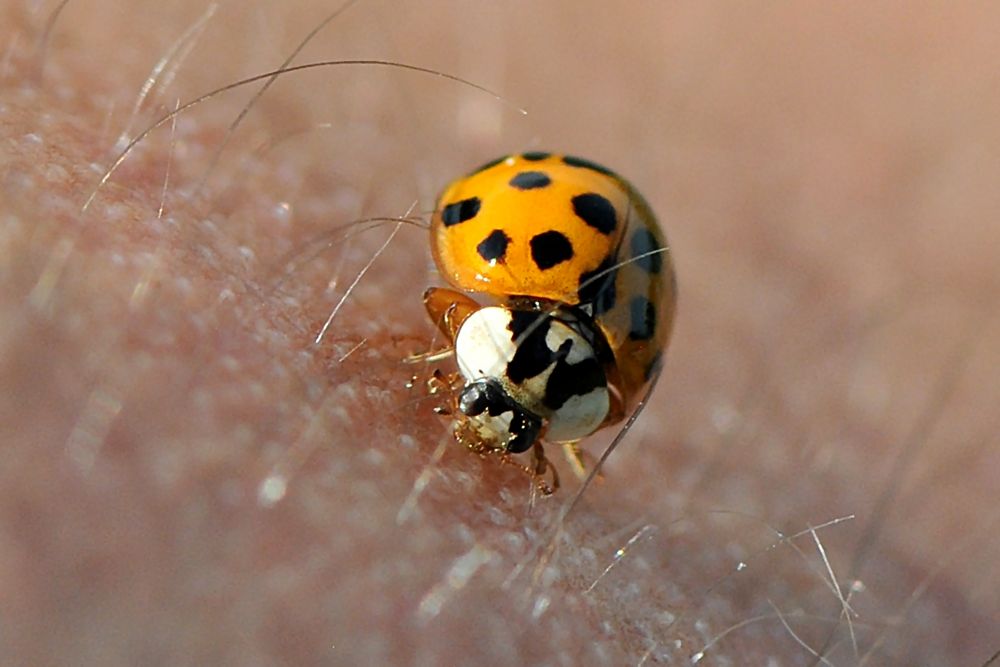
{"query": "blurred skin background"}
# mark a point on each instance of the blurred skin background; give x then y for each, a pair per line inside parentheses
(188, 478)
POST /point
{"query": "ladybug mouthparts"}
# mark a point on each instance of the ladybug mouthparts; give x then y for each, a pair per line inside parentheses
(485, 395)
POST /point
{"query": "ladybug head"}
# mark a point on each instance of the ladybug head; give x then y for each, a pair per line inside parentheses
(510, 424)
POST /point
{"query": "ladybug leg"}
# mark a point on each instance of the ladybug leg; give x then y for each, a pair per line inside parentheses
(579, 460)
(534, 471)
(540, 466)
(466, 435)
(429, 357)
(574, 456)
(442, 385)
(441, 381)
(448, 309)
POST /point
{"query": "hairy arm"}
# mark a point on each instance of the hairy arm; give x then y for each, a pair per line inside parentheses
(189, 478)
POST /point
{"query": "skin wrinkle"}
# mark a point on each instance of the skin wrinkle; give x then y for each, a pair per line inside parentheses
(823, 181)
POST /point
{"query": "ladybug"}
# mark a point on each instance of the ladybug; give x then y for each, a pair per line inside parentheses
(579, 294)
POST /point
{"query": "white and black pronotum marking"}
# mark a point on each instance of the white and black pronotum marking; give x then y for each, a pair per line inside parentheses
(525, 368)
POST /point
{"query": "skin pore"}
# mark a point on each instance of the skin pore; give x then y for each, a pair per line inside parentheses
(188, 478)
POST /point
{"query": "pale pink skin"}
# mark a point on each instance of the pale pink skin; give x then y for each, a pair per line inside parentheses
(827, 177)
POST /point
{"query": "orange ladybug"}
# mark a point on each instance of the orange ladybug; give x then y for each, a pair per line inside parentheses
(582, 298)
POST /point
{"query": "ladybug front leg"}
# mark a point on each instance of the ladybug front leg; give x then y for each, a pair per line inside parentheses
(448, 309)
(541, 465)
(445, 385)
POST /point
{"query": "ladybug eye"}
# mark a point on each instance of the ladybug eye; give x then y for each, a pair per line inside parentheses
(486, 396)
(525, 428)
(475, 399)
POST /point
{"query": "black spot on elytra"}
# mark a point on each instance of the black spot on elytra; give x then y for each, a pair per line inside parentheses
(574, 161)
(530, 180)
(460, 211)
(596, 211)
(643, 319)
(494, 246)
(488, 165)
(599, 292)
(643, 241)
(550, 248)
(536, 156)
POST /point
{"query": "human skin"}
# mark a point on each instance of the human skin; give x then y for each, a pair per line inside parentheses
(188, 478)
